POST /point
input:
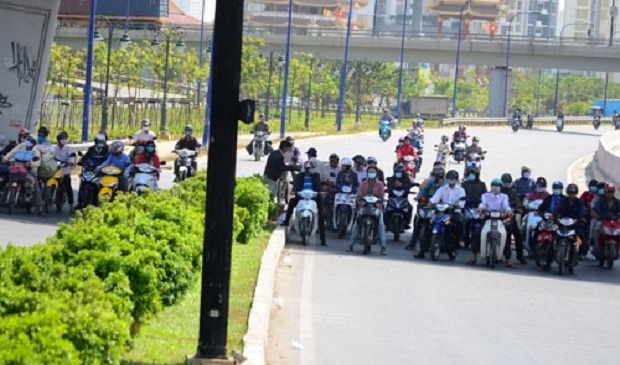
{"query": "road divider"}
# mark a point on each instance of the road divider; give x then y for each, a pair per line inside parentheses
(568, 120)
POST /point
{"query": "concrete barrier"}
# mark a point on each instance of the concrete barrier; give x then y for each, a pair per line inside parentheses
(606, 161)
(568, 120)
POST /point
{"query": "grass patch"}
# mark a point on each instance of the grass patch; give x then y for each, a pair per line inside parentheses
(173, 334)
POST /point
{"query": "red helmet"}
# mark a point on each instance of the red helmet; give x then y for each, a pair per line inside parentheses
(610, 188)
(23, 132)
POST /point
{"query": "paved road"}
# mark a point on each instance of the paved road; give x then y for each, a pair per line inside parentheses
(335, 307)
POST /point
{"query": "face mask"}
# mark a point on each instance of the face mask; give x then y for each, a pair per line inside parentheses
(100, 145)
(41, 139)
(150, 149)
(541, 190)
(557, 191)
(146, 128)
(601, 192)
(372, 175)
(188, 133)
(593, 189)
(398, 175)
(472, 177)
(451, 182)
(496, 189)
(526, 175)
(28, 144)
(474, 143)
(63, 142)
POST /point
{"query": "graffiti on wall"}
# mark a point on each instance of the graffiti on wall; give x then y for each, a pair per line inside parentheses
(22, 65)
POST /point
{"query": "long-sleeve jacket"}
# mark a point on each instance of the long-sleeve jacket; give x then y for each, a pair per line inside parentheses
(404, 180)
(525, 185)
(97, 157)
(574, 209)
(347, 178)
(121, 161)
(190, 144)
(513, 197)
(473, 190)
(275, 166)
(551, 204)
(378, 190)
(604, 211)
(406, 150)
(261, 127)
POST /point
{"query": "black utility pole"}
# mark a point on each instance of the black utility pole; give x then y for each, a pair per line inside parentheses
(216, 258)
(104, 112)
(269, 85)
(308, 97)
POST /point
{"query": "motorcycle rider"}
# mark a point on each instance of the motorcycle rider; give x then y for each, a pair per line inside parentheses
(310, 179)
(66, 154)
(418, 121)
(120, 160)
(572, 207)
(493, 201)
(587, 198)
(530, 121)
(552, 202)
(312, 156)
(347, 176)
(474, 189)
(145, 134)
(360, 168)
(427, 190)
(606, 207)
(516, 115)
(372, 161)
(276, 166)
(97, 154)
(386, 117)
(443, 148)
(461, 133)
(513, 230)
(150, 157)
(293, 155)
(525, 184)
(540, 193)
(261, 126)
(406, 149)
(474, 147)
(48, 164)
(400, 181)
(21, 137)
(29, 144)
(188, 142)
(331, 171)
(375, 187)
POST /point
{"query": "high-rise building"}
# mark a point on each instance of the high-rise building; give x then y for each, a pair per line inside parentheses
(581, 15)
(191, 7)
(544, 24)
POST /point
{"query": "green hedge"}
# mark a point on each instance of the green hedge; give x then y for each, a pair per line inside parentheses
(79, 298)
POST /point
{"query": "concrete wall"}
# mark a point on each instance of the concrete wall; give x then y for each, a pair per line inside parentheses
(607, 159)
(27, 28)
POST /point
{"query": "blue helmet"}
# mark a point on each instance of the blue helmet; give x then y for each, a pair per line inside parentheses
(496, 182)
(558, 185)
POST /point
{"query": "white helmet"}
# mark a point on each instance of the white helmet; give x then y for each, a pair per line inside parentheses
(346, 162)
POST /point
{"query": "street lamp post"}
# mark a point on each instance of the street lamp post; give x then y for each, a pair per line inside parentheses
(458, 55)
(360, 71)
(343, 73)
(613, 12)
(200, 55)
(268, 97)
(176, 32)
(510, 19)
(309, 92)
(89, 71)
(399, 96)
(206, 133)
(557, 70)
(287, 66)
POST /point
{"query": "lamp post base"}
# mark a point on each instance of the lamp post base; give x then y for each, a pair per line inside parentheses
(193, 360)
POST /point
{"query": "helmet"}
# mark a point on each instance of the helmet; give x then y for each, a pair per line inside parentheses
(496, 182)
(506, 178)
(105, 134)
(334, 156)
(62, 135)
(291, 140)
(541, 182)
(439, 170)
(146, 123)
(117, 147)
(593, 182)
(359, 159)
(407, 137)
(610, 188)
(601, 185)
(100, 138)
(444, 138)
(417, 115)
(189, 128)
(371, 159)
(399, 168)
(346, 162)
(572, 189)
(557, 185)
(452, 174)
(526, 168)
(43, 131)
(22, 134)
(474, 170)
(476, 139)
(401, 139)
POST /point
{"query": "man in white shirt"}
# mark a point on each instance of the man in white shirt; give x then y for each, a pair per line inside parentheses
(145, 134)
(330, 171)
(452, 193)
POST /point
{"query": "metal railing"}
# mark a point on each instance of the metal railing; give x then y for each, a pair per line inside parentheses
(568, 120)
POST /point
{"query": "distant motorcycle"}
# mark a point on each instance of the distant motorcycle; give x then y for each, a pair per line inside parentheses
(596, 122)
(559, 124)
(306, 216)
(385, 130)
(459, 150)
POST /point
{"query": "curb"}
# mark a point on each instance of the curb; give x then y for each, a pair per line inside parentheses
(574, 175)
(256, 338)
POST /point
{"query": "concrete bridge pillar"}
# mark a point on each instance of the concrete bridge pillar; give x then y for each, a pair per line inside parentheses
(497, 85)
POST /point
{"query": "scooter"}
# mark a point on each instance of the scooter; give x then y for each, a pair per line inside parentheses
(424, 219)
(17, 193)
(368, 219)
(473, 219)
(397, 208)
(474, 160)
(306, 216)
(532, 219)
(565, 244)
(559, 124)
(54, 194)
(442, 156)
(459, 150)
(145, 178)
(385, 130)
(516, 124)
(544, 240)
(609, 243)
(493, 238)
(596, 122)
(410, 166)
(344, 210)
(109, 183)
(442, 230)
(184, 161)
(89, 185)
(259, 141)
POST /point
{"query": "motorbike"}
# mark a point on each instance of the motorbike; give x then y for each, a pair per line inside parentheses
(609, 243)
(344, 210)
(565, 244)
(17, 193)
(4, 180)
(306, 216)
(493, 237)
(596, 122)
(424, 217)
(144, 179)
(442, 230)
(259, 141)
(385, 130)
(410, 166)
(368, 219)
(473, 219)
(442, 156)
(516, 124)
(544, 240)
(109, 183)
(89, 184)
(397, 208)
(531, 221)
(184, 161)
(459, 150)
(54, 193)
(473, 159)
(559, 124)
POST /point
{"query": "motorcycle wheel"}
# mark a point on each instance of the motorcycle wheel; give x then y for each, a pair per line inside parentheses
(560, 255)
(304, 239)
(611, 256)
(436, 246)
(540, 254)
(342, 227)
(256, 156)
(493, 257)
(396, 229)
(49, 195)
(515, 128)
(366, 239)
(12, 202)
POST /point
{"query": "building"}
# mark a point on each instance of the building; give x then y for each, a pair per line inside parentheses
(192, 8)
(588, 14)
(475, 14)
(544, 24)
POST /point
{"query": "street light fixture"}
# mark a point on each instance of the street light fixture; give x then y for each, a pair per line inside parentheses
(125, 40)
(458, 54)
(510, 19)
(319, 68)
(557, 70)
(179, 34)
(400, 70)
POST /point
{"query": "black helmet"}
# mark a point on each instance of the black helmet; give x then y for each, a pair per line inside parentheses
(189, 128)
(43, 131)
(399, 168)
(62, 135)
(476, 139)
(506, 178)
(593, 182)
(359, 159)
(601, 185)
(557, 185)
(291, 140)
(473, 170)
(334, 156)
(452, 174)
(541, 182)
(572, 189)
